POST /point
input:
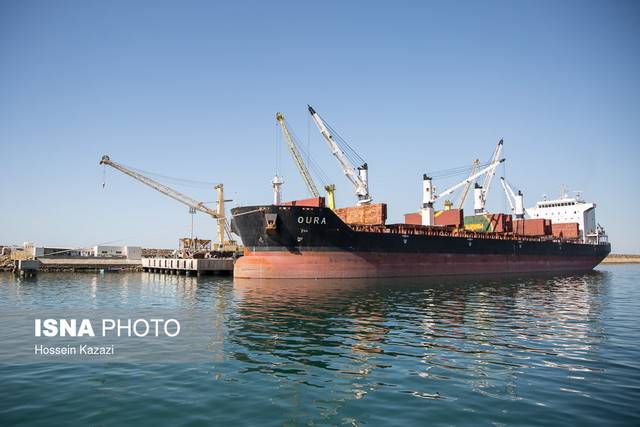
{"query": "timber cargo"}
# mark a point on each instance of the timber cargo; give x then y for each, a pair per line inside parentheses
(314, 242)
(373, 214)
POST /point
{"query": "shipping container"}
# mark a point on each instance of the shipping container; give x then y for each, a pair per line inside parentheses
(499, 223)
(566, 230)
(450, 217)
(476, 223)
(535, 227)
(413, 218)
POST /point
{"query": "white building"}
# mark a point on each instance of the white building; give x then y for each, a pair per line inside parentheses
(129, 252)
(133, 252)
(41, 251)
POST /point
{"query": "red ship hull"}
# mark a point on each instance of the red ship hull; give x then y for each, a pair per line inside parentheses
(340, 264)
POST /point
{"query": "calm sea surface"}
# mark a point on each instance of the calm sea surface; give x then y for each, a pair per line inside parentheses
(536, 350)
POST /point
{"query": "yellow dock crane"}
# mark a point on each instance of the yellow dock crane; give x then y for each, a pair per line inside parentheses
(292, 145)
(223, 245)
(465, 192)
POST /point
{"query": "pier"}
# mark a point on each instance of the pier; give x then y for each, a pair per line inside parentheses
(188, 267)
(27, 267)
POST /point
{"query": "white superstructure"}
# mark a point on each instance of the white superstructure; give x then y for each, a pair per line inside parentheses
(570, 209)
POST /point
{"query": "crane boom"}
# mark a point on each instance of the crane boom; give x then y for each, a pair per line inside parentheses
(428, 197)
(297, 158)
(507, 187)
(469, 179)
(509, 193)
(176, 195)
(486, 183)
(357, 176)
(516, 201)
(465, 192)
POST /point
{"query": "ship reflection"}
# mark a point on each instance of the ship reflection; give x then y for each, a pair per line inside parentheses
(479, 331)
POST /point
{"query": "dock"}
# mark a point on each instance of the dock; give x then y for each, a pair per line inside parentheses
(27, 267)
(79, 264)
(188, 267)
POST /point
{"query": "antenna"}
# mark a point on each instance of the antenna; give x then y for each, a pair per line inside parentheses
(564, 191)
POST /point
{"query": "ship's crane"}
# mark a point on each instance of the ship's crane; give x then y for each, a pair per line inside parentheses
(465, 192)
(358, 176)
(429, 196)
(516, 201)
(292, 145)
(218, 214)
(481, 191)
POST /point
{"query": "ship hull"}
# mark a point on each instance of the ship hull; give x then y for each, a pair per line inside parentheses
(329, 265)
(312, 242)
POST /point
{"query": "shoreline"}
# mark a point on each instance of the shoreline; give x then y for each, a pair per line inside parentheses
(621, 259)
(7, 266)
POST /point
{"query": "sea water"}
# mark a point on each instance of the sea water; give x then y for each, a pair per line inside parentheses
(521, 350)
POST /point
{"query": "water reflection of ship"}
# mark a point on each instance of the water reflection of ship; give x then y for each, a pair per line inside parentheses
(310, 326)
(490, 328)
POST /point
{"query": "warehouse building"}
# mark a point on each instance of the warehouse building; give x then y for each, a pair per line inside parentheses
(129, 252)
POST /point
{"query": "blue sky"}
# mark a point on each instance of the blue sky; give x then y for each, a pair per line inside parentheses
(190, 89)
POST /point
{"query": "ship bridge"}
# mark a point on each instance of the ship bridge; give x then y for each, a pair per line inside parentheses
(569, 209)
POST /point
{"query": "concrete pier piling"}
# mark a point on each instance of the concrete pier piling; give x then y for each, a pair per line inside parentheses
(26, 267)
(188, 267)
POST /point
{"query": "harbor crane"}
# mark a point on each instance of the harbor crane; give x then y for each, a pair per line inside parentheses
(292, 145)
(481, 191)
(516, 201)
(194, 205)
(358, 176)
(465, 192)
(429, 196)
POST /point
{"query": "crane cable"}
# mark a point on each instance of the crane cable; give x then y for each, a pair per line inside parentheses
(451, 172)
(176, 181)
(313, 165)
(347, 149)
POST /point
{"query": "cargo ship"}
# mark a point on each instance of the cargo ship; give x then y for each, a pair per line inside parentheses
(306, 239)
(303, 241)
